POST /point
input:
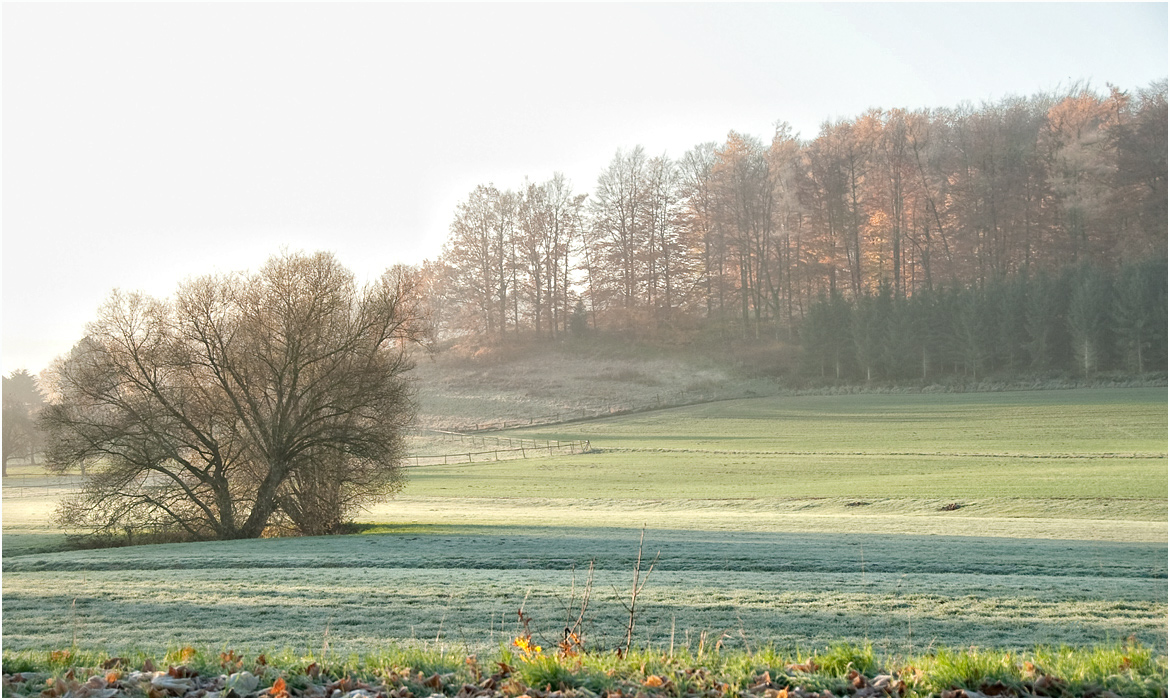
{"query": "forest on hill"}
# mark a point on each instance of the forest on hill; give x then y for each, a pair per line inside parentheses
(1024, 234)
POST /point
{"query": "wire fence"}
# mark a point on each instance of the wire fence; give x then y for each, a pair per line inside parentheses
(526, 449)
(492, 449)
(661, 400)
(39, 486)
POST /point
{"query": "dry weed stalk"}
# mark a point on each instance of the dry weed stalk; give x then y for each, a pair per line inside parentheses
(325, 638)
(574, 633)
(635, 590)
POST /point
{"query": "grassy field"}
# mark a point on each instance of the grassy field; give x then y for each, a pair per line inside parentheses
(518, 384)
(463, 585)
(794, 521)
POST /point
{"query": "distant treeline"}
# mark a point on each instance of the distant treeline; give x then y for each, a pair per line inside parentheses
(1083, 320)
(972, 216)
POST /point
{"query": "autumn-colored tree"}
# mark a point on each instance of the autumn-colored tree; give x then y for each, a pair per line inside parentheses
(974, 208)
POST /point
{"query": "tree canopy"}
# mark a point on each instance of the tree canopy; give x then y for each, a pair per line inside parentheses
(245, 401)
(746, 236)
(22, 402)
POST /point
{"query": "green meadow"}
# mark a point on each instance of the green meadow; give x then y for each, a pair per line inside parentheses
(909, 522)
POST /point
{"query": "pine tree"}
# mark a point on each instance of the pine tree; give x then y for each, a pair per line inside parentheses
(1089, 319)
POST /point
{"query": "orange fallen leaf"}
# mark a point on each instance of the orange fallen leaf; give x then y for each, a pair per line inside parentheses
(807, 667)
(278, 689)
(654, 681)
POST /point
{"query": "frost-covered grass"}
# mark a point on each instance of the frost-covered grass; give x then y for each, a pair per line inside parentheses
(463, 584)
(798, 520)
(28, 518)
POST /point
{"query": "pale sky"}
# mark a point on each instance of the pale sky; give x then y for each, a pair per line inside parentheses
(147, 143)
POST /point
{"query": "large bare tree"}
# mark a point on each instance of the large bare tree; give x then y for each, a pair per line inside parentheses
(246, 400)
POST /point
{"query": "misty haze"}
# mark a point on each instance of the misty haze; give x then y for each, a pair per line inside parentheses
(392, 350)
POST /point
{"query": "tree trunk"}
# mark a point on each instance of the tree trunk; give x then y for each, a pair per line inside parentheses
(264, 506)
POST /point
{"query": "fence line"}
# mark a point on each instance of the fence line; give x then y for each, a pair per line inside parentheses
(526, 449)
(673, 399)
(15, 489)
(482, 440)
(551, 447)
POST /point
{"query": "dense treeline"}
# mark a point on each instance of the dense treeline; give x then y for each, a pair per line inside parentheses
(1082, 321)
(894, 217)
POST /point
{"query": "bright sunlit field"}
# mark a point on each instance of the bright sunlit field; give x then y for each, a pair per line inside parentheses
(796, 521)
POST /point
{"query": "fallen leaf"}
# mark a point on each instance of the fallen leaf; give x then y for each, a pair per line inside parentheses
(856, 680)
(95, 683)
(164, 681)
(994, 689)
(807, 667)
(278, 689)
(243, 683)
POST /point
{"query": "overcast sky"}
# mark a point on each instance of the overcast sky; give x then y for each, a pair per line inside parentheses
(146, 143)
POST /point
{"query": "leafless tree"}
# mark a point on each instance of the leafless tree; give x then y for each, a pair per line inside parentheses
(245, 400)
